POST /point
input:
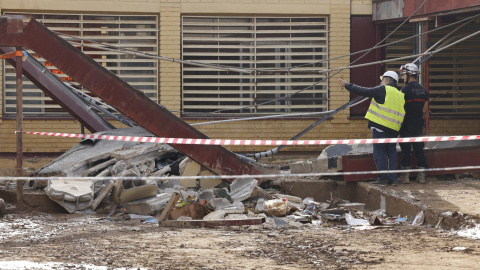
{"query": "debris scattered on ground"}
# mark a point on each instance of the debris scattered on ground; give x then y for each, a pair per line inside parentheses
(185, 202)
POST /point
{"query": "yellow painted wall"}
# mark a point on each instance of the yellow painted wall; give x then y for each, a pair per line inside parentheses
(170, 12)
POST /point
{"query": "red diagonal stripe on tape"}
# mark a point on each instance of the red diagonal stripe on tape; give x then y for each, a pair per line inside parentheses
(254, 142)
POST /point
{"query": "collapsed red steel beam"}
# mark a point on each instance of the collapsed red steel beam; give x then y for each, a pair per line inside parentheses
(123, 97)
(55, 89)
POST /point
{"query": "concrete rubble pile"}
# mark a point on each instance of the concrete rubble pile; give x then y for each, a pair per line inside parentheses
(244, 200)
(179, 201)
(104, 158)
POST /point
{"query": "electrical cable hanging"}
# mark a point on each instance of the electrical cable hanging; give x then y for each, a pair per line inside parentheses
(469, 19)
(246, 70)
(108, 47)
(133, 52)
(251, 70)
(270, 116)
(341, 69)
(289, 95)
(275, 150)
(439, 41)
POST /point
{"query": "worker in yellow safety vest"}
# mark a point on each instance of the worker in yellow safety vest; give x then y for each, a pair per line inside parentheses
(385, 117)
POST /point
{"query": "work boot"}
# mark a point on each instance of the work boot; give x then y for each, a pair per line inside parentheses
(421, 176)
(381, 182)
(394, 183)
(405, 176)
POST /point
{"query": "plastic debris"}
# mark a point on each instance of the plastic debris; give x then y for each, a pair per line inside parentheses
(277, 207)
(419, 219)
(356, 221)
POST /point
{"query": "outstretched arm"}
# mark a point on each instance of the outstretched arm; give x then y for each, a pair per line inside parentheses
(377, 92)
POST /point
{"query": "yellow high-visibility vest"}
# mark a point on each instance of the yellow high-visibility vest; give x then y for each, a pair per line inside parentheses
(391, 113)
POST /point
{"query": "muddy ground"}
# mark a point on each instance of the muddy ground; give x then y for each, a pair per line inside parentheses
(36, 240)
(64, 241)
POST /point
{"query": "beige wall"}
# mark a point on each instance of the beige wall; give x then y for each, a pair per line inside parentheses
(169, 12)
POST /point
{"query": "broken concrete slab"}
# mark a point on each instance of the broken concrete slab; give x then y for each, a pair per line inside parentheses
(188, 167)
(242, 188)
(138, 192)
(225, 205)
(258, 192)
(169, 207)
(73, 195)
(215, 215)
(99, 167)
(301, 167)
(210, 182)
(117, 189)
(136, 153)
(74, 161)
(206, 195)
(162, 171)
(219, 203)
(102, 193)
(150, 205)
(169, 184)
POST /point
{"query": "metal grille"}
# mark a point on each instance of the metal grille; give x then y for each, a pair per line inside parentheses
(136, 32)
(399, 49)
(253, 43)
(454, 75)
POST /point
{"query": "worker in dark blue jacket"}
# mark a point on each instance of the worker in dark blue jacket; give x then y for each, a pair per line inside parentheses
(415, 97)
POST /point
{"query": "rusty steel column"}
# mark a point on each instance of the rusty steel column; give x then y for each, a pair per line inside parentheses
(19, 128)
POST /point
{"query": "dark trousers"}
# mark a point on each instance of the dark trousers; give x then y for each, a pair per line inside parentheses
(417, 149)
(385, 155)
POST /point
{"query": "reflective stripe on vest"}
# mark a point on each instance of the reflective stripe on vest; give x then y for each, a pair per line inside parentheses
(386, 109)
(391, 113)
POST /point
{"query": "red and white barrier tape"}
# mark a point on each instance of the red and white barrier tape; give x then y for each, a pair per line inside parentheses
(272, 176)
(255, 142)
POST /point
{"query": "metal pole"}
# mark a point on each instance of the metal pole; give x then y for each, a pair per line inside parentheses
(19, 128)
(427, 85)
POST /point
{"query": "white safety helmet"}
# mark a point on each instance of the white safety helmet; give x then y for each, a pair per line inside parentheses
(391, 74)
(409, 68)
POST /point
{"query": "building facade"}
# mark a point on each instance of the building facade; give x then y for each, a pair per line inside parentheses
(288, 43)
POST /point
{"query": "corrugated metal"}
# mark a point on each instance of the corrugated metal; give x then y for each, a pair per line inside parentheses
(436, 6)
(396, 9)
(387, 10)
